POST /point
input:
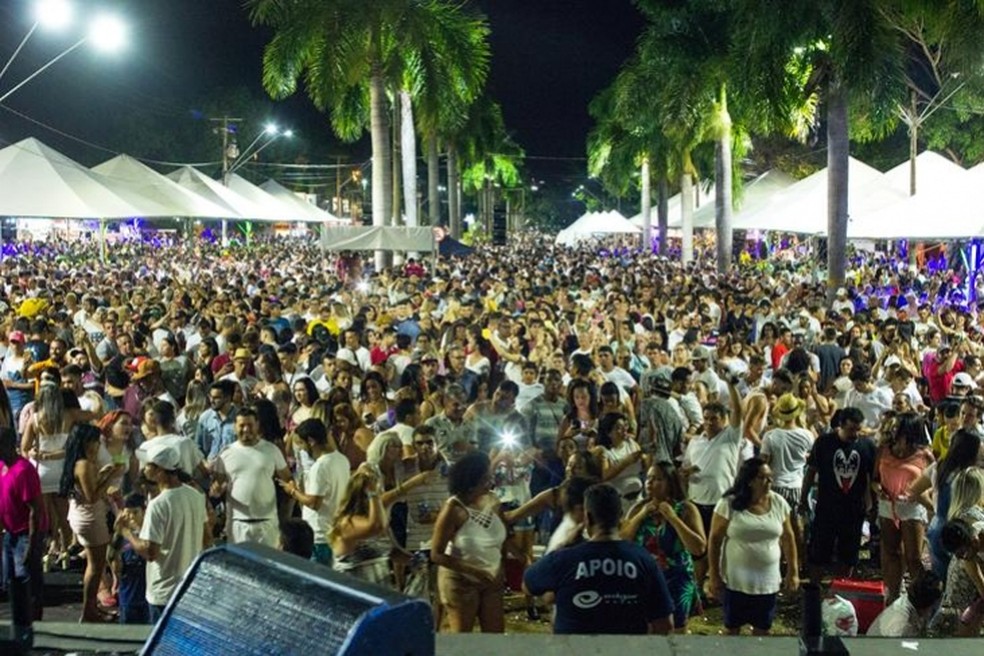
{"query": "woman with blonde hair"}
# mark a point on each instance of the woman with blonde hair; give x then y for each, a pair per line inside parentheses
(360, 518)
(43, 443)
(352, 437)
(959, 590)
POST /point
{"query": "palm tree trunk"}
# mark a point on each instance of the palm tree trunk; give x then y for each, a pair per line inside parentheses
(722, 183)
(663, 215)
(453, 191)
(647, 206)
(408, 141)
(838, 151)
(382, 174)
(687, 211)
(397, 216)
(433, 182)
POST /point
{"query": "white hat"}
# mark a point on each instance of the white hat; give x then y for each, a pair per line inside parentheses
(164, 456)
(841, 291)
(347, 355)
(964, 380)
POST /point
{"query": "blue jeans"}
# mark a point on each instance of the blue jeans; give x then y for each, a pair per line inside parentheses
(155, 613)
(24, 581)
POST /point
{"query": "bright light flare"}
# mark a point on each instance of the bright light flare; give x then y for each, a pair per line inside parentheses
(54, 14)
(270, 128)
(108, 34)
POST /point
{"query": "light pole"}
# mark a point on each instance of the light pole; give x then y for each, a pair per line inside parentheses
(271, 131)
(106, 33)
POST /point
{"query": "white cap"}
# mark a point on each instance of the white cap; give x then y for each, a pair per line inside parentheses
(347, 355)
(164, 456)
(964, 380)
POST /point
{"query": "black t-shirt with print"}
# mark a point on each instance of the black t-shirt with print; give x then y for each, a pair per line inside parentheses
(844, 473)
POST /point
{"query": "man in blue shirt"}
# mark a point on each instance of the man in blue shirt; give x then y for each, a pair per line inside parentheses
(604, 585)
(217, 425)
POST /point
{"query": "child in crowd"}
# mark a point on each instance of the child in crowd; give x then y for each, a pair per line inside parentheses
(297, 537)
(128, 567)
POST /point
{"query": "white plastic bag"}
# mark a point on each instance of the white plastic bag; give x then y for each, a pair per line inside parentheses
(839, 617)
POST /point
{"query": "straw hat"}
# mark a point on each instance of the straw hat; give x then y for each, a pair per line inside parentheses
(788, 407)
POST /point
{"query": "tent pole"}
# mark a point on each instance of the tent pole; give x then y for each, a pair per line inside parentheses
(225, 233)
(102, 240)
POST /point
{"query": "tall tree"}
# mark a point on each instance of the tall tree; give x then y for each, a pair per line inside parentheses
(351, 55)
(856, 62)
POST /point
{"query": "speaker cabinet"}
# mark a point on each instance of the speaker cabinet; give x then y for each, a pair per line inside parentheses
(250, 599)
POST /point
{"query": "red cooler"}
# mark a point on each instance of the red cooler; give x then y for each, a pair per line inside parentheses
(867, 597)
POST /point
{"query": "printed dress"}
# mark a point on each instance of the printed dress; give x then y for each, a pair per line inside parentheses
(660, 539)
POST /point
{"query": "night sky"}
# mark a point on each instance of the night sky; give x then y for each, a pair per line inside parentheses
(550, 57)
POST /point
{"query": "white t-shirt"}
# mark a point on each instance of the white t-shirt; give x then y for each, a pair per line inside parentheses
(327, 478)
(751, 554)
(252, 492)
(175, 520)
(787, 448)
(717, 460)
(871, 404)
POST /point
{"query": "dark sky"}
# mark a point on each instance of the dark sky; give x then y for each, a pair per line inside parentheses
(549, 58)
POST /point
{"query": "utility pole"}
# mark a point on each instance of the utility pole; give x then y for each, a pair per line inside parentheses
(230, 151)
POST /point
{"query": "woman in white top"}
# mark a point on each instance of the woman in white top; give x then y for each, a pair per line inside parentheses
(467, 547)
(621, 458)
(43, 443)
(750, 532)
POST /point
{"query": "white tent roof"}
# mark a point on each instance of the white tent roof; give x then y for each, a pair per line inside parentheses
(380, 238)
(948, 205)
(933, 172)
(154, 186)
(702, 197)
(215, 192)
(285, 195)
(756, 195)
(595, 224)
(802, 207)
(286, 211)
(38, 181)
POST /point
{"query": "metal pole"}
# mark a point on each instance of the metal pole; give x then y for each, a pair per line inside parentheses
(102, 240)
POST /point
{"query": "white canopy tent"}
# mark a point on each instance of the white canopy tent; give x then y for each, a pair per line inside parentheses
(217, 193)
(755, 195)
(934, 172)
(286, 212)
(949, 204)
(703, 197)
(802, 207)
(596, 224)
(286, 196)
(380, 238)
(153, 185)
(38, 181)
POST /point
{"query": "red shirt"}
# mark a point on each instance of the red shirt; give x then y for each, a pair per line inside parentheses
(778, 350)
(19, 484)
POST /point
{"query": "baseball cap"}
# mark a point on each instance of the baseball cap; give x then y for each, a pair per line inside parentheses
(700, 353)
(963, 379)
(16, 336)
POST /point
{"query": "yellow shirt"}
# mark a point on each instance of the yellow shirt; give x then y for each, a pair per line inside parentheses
(941, 442)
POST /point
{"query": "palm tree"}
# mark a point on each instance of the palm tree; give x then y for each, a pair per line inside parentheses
(441, 76)
(856, 63)
(491, 158)
(350, 55)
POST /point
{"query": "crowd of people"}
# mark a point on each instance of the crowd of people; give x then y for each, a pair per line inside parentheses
(596, 428)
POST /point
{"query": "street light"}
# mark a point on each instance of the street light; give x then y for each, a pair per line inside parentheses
(271, 131)
(106, 33)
